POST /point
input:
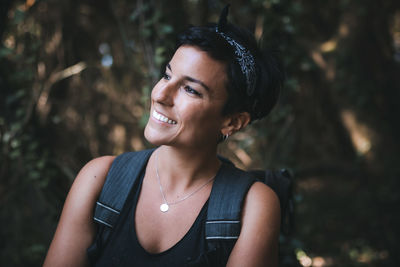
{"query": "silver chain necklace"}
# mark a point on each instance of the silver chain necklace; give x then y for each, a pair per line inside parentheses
(164, 207)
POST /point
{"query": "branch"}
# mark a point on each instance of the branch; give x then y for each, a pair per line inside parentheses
(39, 100)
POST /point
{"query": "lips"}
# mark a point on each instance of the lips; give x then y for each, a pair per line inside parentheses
(162, 118)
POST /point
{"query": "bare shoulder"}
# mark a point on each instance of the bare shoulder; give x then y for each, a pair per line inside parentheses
(76, 230)
(95, 171)
(261, 196)
(97, 168)
(88, 183)
(90, 180)
(261, 208)
(258, 241)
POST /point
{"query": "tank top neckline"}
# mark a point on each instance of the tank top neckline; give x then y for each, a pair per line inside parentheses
(202, 214)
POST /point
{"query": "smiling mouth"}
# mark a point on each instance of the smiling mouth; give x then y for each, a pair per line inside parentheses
(162, 118)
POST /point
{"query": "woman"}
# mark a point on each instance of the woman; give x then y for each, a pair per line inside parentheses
(216, 83)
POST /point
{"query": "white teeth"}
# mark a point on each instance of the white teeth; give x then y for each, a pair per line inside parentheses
(162, 118)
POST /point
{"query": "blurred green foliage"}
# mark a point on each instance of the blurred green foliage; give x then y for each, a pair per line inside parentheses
(75, 80)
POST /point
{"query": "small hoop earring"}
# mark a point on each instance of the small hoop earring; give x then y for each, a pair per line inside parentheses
(225, 137)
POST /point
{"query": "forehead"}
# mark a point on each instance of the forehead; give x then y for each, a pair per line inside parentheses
(191, 61)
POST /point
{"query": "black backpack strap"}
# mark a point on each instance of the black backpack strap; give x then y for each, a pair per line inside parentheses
(223, 225)
(282, 183)
(122, 175)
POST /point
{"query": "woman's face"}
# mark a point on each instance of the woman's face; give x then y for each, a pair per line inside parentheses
(186, 104)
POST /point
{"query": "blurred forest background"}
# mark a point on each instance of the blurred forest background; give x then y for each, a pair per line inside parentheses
(75, 80)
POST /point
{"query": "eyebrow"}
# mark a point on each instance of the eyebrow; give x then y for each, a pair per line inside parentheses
(191, 79)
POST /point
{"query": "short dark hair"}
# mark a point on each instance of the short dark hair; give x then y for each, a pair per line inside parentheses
(270, 74)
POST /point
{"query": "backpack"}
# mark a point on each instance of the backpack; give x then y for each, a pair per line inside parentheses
(222, 226)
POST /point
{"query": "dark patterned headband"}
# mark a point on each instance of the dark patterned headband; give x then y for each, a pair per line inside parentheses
(243, 56)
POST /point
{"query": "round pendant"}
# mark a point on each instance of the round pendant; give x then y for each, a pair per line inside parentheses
(164, 207)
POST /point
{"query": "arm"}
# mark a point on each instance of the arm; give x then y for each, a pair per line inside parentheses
(258, 241)
(76, 230)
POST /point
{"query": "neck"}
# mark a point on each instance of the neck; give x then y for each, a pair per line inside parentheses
(180, 169)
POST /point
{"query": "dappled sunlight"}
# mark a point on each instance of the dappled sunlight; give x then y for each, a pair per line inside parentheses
(243, 156)
(321, 261)
(344, 30)
(317, 261)
(329, 46)
(327, 66)
(118, 138)
(259, 29)
(137, 143)
(29, 3)
(366, 254)
(236, 154)
(54, 42)
(360, 134)
(9, 42)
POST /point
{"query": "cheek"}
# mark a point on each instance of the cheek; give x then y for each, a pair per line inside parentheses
(200, 117)
(155, 89)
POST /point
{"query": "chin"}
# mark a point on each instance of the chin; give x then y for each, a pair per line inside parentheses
(153, 136)
(149, 134)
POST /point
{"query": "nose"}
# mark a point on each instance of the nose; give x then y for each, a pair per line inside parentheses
(164, 92)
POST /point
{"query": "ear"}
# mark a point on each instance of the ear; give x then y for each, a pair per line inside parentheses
(235, 122)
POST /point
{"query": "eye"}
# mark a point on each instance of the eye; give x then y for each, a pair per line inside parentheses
(166, 76)
(190, 90)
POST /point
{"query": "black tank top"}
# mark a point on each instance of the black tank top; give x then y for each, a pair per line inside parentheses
(124, 249)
